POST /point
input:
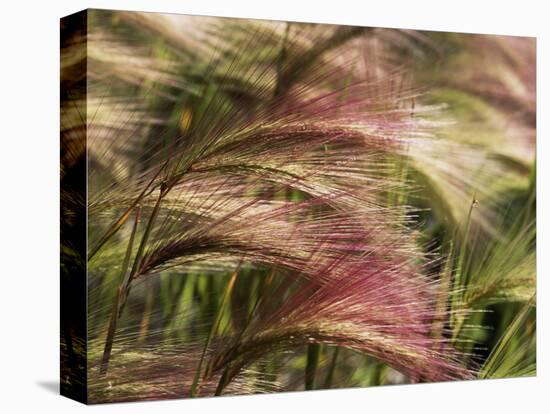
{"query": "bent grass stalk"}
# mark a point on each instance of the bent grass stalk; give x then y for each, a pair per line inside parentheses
(498, 351)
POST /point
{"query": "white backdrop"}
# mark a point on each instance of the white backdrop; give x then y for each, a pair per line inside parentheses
(29, 197)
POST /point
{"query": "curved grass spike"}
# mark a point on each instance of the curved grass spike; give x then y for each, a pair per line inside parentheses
(377, 308)
(495, 360)
(499, 268)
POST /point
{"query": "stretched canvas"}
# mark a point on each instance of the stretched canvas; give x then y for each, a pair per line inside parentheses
(255, 206)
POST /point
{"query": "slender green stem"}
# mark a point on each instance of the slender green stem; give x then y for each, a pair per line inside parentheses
(116, 303)
(145, 237)
(528, 212)
(463, 248)
(459, 281)
(332, 369)
(443, 294)
(223, 381)
(313, 352)
(110, 335)
(124, 288)
(227, 375)
(195, 386)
